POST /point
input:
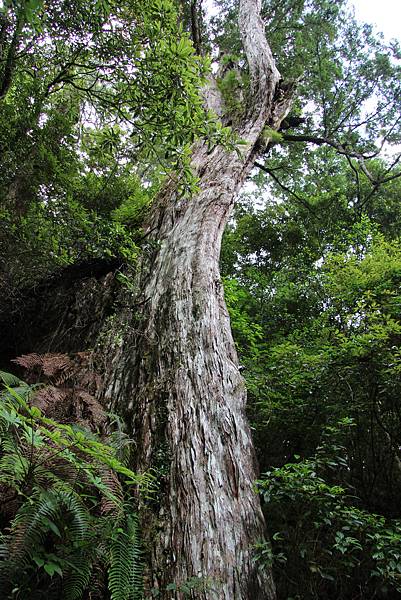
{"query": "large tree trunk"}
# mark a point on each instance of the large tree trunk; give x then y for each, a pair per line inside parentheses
(175, 378)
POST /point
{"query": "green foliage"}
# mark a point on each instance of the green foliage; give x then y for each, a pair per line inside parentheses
(64, 513)
(320, 537)
(84, 48)
(125, 573)
(319, 282)
(247, 334)
(91, 122)
(232, 87)
(271, 135)
(59, 233)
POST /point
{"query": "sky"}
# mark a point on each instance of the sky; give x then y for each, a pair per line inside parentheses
(384, 14)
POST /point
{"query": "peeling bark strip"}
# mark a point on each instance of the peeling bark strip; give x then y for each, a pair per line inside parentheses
(175, 376)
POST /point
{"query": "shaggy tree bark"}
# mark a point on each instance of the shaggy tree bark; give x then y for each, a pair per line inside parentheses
(174, 375)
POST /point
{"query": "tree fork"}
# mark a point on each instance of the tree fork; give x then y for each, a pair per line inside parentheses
(175, 378)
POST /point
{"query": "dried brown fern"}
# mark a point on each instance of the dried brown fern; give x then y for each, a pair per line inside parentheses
(9, 501)
(87, 410)
(108, 505)
(60, 369)
(71, 385)
(53, 402)
(58, 366)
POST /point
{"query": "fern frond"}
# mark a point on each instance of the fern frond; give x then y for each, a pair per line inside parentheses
(10, 380)
(113, 501)
(126, 562)
(13, 468)
(50, 364)
(10, 394)
(31, 526)
(79, 517)
(88, 410)
(33, 522)
(77, 576)
(122, 443)
(8, 443)
(57, 468)
(51, 400)
(52, 476)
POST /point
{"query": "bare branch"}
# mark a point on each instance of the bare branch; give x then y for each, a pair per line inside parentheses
(320, 141)
(298, 198)
(341, 149)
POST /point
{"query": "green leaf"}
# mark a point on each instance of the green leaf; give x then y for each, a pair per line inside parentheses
(52, 568)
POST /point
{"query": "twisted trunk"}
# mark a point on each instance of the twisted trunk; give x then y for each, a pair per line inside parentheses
(175, 373)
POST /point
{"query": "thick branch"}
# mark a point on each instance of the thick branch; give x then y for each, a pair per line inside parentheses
(262, 67)
(320, 141)
(195, 27)
(10, 60)
(341, 149)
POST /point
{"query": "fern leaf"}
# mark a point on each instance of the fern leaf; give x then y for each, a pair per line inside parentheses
(79, 526)
(77, 577)
(30, 526)
(13, 469)
(10, 380)
(126, 563)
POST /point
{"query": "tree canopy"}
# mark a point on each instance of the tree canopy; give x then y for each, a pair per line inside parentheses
(103, 104)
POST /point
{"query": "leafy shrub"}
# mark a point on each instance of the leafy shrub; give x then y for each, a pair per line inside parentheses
(322, 542)
(65, 516)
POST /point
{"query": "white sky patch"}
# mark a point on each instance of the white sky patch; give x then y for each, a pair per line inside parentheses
(385, 15)
(210, 7)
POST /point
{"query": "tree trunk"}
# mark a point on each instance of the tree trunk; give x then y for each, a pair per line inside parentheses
(174, 375)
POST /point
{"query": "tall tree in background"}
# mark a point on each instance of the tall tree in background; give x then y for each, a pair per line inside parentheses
(175, 376)
(171, 366)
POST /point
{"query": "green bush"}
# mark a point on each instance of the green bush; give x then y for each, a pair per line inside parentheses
(67, 522)
(322, 542)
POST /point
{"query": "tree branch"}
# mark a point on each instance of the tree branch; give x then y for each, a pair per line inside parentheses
(357, 179)
(10, 60)
(376, 183)
(195, 27)
(299, 199)
(341, 149)
(320, 141)
(262, 67)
